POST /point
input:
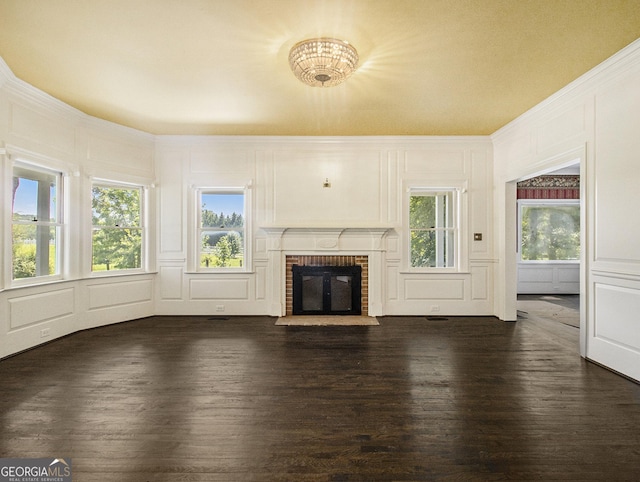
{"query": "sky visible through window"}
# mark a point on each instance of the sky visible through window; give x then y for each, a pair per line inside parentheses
(224, 203)
(26, 197)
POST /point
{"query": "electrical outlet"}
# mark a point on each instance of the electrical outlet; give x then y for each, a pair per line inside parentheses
(219, 308)
(435, 308)
(44, 333)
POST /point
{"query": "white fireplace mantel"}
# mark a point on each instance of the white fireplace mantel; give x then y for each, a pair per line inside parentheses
(326, 239)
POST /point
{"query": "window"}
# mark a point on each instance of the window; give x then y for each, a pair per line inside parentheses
(117, 236)
(221, 229)
(433, 228)
(550, 231)
(36, 222)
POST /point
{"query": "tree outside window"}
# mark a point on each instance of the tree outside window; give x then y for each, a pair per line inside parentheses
(36, 223)
(222, 223)
(432, 229)
(550, 231)
(117, 236)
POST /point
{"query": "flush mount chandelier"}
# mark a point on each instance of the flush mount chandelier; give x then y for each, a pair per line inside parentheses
(323, 62)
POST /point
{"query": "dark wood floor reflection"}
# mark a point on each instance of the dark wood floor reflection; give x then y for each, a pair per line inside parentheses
(198, 399)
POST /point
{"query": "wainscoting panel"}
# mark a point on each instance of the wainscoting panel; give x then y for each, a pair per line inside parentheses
(37, 308)
(171, 282)
(440, 289)
(219, 289)
(616, 316)
(479, 283)
(113, 294)
(545, 278)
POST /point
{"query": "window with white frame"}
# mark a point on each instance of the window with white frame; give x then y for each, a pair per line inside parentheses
(433, 228)
(221, 229)
(549, 230)
(36, 222)
(118, 233)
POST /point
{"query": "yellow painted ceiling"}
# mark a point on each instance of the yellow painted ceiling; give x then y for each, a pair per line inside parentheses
(427, 67)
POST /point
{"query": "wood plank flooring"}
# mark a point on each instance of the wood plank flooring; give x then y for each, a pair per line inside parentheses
(239, 399)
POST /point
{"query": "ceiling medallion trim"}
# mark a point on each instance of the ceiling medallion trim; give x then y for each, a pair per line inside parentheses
(323, 62)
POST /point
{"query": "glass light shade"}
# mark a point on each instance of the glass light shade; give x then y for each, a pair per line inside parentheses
(323, 62)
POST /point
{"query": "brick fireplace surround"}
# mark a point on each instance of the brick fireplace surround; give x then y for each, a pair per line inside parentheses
(323, 260)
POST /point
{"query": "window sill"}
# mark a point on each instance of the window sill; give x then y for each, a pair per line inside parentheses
(548, 261)
(58, 281)
(421, 271)
(118, 274)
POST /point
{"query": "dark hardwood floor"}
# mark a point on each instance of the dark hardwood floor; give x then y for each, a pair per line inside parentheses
(239, 399)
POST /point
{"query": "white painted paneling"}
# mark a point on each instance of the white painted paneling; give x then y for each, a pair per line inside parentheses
(569, 274)
(480, 205)
(539, 278)
(616, 316)
(261, 283)
(617, 170)
(171, 282)
(41, 129)
(111, 294)
(425, 161)
(353, 197)
(36, 308)
(212, 160)
(568, 124)
(219, 289)
(535, 274)
(479, 282)
(393, 278)
(171, 203)
(260, 247)
(434, 289)
(135, 157)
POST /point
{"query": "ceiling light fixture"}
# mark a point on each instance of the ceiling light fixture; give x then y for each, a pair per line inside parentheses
(323, 62)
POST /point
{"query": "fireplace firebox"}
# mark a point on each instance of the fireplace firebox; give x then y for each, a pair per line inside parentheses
(327, 290)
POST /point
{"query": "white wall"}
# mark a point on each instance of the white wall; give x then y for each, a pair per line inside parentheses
(369, 180)
(595, 120)
(41, 130)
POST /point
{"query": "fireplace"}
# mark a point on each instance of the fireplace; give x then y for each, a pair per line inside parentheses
(362, 246)
(327, 290)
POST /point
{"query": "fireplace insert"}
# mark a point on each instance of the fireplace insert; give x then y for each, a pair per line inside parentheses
(327, 290)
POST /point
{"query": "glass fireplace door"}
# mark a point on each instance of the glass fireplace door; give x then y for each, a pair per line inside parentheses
(327, 290)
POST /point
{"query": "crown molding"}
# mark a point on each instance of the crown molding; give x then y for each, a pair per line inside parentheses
(395, 142)
(25, 93)
(5, 73)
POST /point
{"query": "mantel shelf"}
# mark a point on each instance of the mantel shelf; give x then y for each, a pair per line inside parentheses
(324, 229)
